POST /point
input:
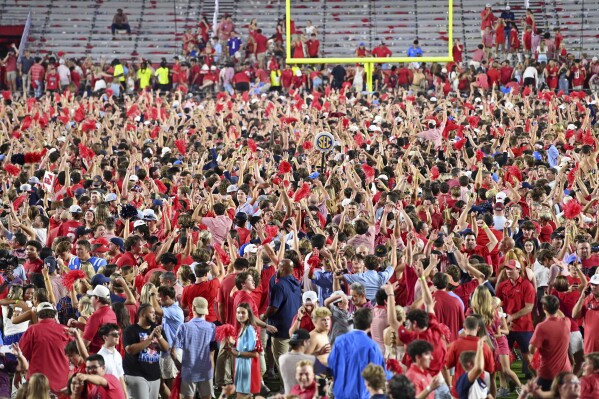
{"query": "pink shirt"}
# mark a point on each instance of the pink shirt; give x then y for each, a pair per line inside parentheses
(379, 323)
(219, 226)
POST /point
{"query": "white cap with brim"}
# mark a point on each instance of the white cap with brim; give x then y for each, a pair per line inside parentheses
(100, 291)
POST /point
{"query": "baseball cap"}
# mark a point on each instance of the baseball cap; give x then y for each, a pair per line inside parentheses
(133, 178)
(157, 202)
(340, 294)
(314, 175)
(110, 197)
(118, 242)
(572, 258)
(200, 305)
(300, 335)
(99, 279)
(310, 296)
(500, 197)
(513, 264)
(149, 215)
(81, 230)
(100, 291)
(138, 223)
(380, 251)
(232, 188)
(101, 248)
(527, 185)
(250, 249)
(25, 187)
(241, 216)
(34, 180)
(75, 209)
(50, 261)
(594, 280)
(499, 206)
(45, 306)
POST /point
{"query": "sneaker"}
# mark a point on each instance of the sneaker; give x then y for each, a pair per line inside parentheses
(502, 392)
(518, 390)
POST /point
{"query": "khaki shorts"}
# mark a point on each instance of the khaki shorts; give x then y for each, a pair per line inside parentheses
(203, 388)
(168, 370)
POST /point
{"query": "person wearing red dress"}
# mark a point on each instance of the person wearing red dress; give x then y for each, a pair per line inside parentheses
(527, 39)
(551, 76)
(457, 50)
(298, 48)
(499, 36)
(361, 50)
(204, 29)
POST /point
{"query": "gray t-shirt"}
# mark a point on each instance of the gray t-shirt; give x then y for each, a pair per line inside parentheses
(342, 322)
(287, 363)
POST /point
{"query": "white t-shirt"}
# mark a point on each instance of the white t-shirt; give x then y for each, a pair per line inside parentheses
(113, 361)
(64, 74)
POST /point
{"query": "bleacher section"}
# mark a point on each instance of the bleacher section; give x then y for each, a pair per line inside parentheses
(82, 28)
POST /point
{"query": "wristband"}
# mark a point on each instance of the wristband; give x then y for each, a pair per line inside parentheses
(422, 278)
(390, 294)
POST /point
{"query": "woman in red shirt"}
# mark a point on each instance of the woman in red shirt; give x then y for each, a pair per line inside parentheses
(499, 36)
(551, 76)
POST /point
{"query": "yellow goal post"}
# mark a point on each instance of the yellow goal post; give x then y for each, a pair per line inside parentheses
(367, 61)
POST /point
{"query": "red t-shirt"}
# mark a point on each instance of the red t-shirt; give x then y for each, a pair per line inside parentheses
(67, 229)
(381, 52)
(43, 344)
(552, 338)
(313, 47)
(434, 335)
(463, 344)
(34, 266)
(261, 43)
(590, 317)
(421, 379)
(102, 315)
(589, 386)
(52, 81)
(514, 297)
(450, 312)
(127, 259)
(225, 299)
(207, 290)
(241, 77)
(251, 298)
(505, 74)
(465, 291)
(114, 389)
(267, 273)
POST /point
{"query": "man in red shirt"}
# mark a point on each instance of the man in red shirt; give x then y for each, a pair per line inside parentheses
(404, 76)
(99, 384)
(484, 251)
(421, 353)
(313, 45)
(306, 385)
(33, 263)
(69, 227)
(588, 260)
(207, 289)
(587, 308)
(552, 339)
(467, 342)
(518, 297)
(382, 51)
(505, 72)
(261, 47)
(37, 76)
(493, 74)
(43, 346)
(449, 309)
(589, 382)
(132, 255)
(578, 74)
(103, 313)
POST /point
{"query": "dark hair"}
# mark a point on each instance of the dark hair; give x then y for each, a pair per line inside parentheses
(362, 319)
(241, 278)
(418, 348)
(46, 314)
(105, 329)
(371, 262)
(86, 244)
(167, 291)
(440, 280)
(550, 304)
(143, 308)
(96, 358)
(400, 387)
(381, 297)
(418, 316)
(241, 263)
(123, 317)
(471, 322)
(201, 269)
(34, 243)
(168, 257)
(71, 348)
(318, 241)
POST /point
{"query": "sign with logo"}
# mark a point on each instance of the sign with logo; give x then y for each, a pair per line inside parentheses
(324, 141)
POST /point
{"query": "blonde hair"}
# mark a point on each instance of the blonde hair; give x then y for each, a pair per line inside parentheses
(481, 303)
(38, 387)
(145, 293)
(88, 269)
(400, 313)
(16, 292)
(320, 313)
(86, 308)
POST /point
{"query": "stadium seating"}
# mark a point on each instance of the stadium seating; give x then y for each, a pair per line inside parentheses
(82, 27)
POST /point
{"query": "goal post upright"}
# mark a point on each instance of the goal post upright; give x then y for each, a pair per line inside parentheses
(367, 61)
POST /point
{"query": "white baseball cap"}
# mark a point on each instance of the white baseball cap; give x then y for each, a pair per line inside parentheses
(100, 291)
(310, 296)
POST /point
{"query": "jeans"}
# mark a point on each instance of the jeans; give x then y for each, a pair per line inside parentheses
(39, 89)
(442, 392)
(114, 27)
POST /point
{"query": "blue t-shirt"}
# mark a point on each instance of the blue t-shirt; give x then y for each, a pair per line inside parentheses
(285, 294)
(172, 318)
(234, 45)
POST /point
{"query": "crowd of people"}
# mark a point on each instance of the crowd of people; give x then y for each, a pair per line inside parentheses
(181, 240)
